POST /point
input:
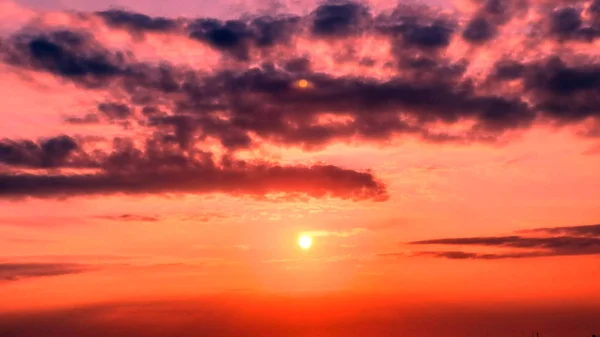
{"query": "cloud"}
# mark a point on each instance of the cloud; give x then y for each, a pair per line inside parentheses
(339, 19)
(314, 181)
(118, 18)
(552, 241)
(63, 53)
(164, 167)
(198, 217)
(479, 30)
(46, 153)
(86, 119)
(424, 82)
(18, 271)
(460, 255)
(237, 37)
(587, 231)
(129, 217)
(567, 23)
(114, 110)
(261, 101)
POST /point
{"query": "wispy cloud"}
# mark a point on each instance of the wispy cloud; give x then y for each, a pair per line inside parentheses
(551, 241)
(18, 271)
(128, 217)
(588, 230)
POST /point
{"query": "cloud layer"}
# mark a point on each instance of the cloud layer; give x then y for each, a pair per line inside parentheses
(296, 81)
(166, 168)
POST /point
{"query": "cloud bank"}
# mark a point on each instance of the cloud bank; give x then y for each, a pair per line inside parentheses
(344, 72)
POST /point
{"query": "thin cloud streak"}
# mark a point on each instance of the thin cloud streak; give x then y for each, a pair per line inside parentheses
(18, 271)
(552, 241)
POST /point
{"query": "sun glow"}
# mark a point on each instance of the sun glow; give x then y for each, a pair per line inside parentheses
(303, 84)
(304, 241)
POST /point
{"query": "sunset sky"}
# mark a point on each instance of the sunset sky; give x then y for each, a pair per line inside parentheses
(160, 159)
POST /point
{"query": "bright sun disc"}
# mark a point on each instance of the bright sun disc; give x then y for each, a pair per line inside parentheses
(303, 83)
(305, 241)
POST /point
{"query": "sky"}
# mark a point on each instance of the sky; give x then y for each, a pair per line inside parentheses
(159, 161)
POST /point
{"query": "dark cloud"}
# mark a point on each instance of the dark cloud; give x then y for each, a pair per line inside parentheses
(161, 168)
(114, 110)
(488, 241)
(255, 100)
(508, 70)
(459, 255)
(184, 128)
(231, 36)
(436, 35)
(567, 24)
(340, 19)
(297, 65)
(238, 37)
(563, 243)
(17, 271)
(594, 6)
(220, 34)
(65, 54)
(270, 31)
(267, 104)
(565, 80)
(136, 21)
(495, 6)
(565, 21)
(503, 11)
(264, 101)
(552, 241)
(588, 230)
(479, 30)
(315, 181)
(562, 92)
(60, 151)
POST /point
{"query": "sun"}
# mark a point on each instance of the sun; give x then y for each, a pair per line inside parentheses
(303, 83)
(305, 242)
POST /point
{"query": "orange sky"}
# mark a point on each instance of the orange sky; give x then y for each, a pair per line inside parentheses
(420, 188)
